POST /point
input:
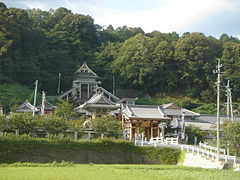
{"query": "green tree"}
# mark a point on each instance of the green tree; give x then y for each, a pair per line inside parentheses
(196, 56)
(107, 126)
(231, 64)
(193, 131)
(65, 110)
(134, 62)
(231, 132)
(24, 122)
(52, 124)
(3, 123)
(13, 94)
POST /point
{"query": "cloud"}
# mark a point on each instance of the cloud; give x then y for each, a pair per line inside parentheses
(212, 17)
(172, 15)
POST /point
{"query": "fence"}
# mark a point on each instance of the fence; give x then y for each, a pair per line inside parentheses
(211, 148)
(209, 154)
(156, 140)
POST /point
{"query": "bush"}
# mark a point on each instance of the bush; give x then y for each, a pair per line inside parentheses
(24, 148)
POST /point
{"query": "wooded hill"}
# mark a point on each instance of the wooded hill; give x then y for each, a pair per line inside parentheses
(36, 44)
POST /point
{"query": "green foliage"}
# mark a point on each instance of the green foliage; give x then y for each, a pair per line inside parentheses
(185, 102)
(13, 94)
(107, 125)
(23, 122)
(3, 123)
(164, 155)
(193, 131)
(37, 44)
(14, 148)
(52, 124)
(65, 110)
(205, 109)
(231, 132)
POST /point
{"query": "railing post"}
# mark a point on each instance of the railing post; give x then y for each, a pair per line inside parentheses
(225, 158)
(155, 144)
(75, 135)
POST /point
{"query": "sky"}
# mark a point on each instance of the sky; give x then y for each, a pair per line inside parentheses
(212, 17)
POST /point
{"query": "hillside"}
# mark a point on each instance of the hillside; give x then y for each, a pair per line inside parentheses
(37, 44)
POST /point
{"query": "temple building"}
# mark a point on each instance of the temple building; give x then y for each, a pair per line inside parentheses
(151, 120)
(47, 107)
(84, 85)
(144, 120)
(26, 107)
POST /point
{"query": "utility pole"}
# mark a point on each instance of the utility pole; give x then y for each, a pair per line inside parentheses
(59, 83)
(43, 103)
(218, 71)
(113, 85)
(229, 102)
(183, 125)
(35, 97)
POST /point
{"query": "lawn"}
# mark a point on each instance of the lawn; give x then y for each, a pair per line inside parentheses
(115, 172)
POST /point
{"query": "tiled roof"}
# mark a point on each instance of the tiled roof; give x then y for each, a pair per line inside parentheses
(144, 112)
(213, 118)
(26, 107)
(179, 112)
(99, 100)
(47, 105)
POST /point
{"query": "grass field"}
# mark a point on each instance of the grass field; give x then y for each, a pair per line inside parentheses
(115, 172)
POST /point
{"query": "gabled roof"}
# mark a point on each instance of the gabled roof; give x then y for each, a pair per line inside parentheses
(173, 110)
(26, 107)
(47, 105)
(110, 95)
(99, 100)
(84, 69)
(170, 106)
(144, 112)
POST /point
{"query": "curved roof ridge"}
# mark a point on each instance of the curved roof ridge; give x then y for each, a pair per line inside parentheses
(84, 65)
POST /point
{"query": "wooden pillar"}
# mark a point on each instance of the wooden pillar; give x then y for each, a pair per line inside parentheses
(151, 132)
(80, 91)
(130, 132)
(158, 132)
(88, 90)
(67, 97)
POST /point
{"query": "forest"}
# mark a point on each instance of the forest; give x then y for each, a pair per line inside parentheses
(37, 44)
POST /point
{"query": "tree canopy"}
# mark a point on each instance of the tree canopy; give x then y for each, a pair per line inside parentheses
(37, 44)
